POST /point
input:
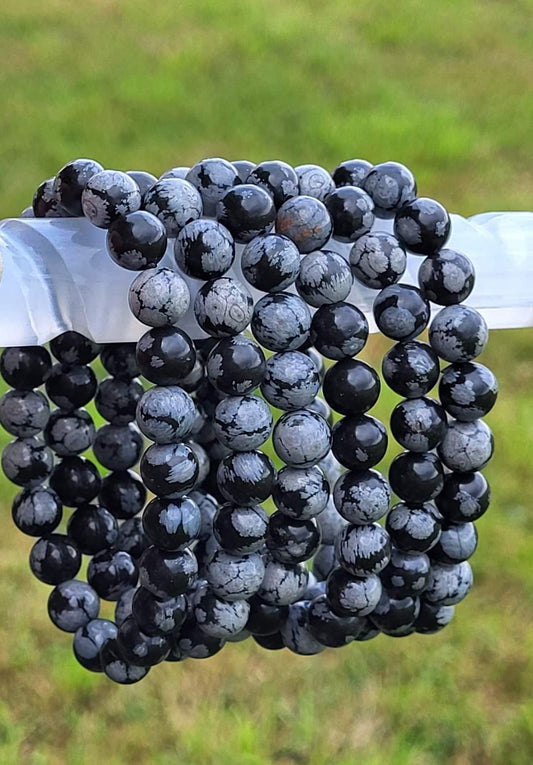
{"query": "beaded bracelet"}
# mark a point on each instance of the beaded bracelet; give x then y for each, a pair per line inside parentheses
(204, 564)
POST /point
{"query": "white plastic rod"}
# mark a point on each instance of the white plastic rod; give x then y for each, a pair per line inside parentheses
(57, 276)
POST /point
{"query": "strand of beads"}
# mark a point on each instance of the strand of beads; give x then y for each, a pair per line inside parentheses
(213, 566)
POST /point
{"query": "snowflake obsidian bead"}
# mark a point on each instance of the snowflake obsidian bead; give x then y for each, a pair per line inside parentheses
(422, 226)
(171, 524)
(351, 386)
(112, 572)
(351, 172)
(167, 574)
(123, 493)
(301, 492)
(411, 369)
(71, 348)
(328, 628)
(301, 438)
(339, 331)
(157, 617)
(359, 441)
(378, 260)
(165, 355)
(27, 461)
(352, 213)
(219, 618)
(290, 540)
(70, 182)
(118, 447)
(390, 184)
(418, 424)
(468, 391)
(363, 550)
(242, 423)
(136, 241)
(458, 333)
(204, 249)
(234, 577)
(325, 277)
(89, 641)
(240, 530)
(246, 478)
(314, 181)
(401, 311)
(212, 177)
(352, 595)
(92, 528)
(447, 277)
(140, 649)
(362, 496)
(283, 583)
(75, 480)
(169, 468)
(406, 574)
(466, 446)
(416, 477)
(246, 211)
(158, 297)
(72, 604)
(223, 307)
(166, 414)
(71, 387)
(281, 322)
(25, 368)
(414, 527)
(464, 497)
(24, 413)
(448, 584)
(108, 196)
(37, 511)
(277, 178)
(305, 221)
(175, 202)
(55, 558)
(270, 263)
(291, 380)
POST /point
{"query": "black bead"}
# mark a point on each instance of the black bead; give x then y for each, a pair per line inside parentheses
(112, 572)
(144, 180)
(137, 242)
(464, 497)
(138, 648)
(72, 604)
(169, 468)
(75, 480)
(328, 628)
(123, 493)
(246, 211)
(339, 331)
(416, 478)
(411, 369)
(276, 177)
(240, 530)
(27, 461)
(273, 642)
(71, 348)
(204, 249)
(37, 511)
(246, 478)
(116, 400)
(119, 360)
(468, 391)
(69, 432)
(71, 387)
(55, 558)
(89, 641)
(446, 278)
(351, 172)
(236, 365)
(167, 574)
(118, 447)
(390, 185)
(92, 528)
(46, 202)
(352, 213)
(359, 441)
(395, 616)
(407, 573)
(422, 226)
(265, 618)
(418, 424)
(25, 368)
(131, 538)
(192, 642)
(290, 540)
(351, 386)
(243, 167)
(71, 180)
(414, 528)
(433, 617)
(270, 263)
(165, 355)
(457, 542)
(158, 617)
(171, 524)
(401, 311)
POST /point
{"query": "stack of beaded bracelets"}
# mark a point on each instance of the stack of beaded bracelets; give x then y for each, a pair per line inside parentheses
(204, 564)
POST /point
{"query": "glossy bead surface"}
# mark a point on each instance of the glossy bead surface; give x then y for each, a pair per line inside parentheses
(71, 180)
(422, 226)
(351, 387)
(283, 583)
(71, 387)
(75, 480)
(466, 446)
(166, 414)
(68, 433)
(46, 202)
(92, 528)
(243, 167)
(72, 604)
(246, 478)
(236, 365)
(362, 496)
(401, 311)
(407, 573)
(158, 297)
(418, 424)
(359, 441)
(158, 617)
(457, 542)
(143, 180)
(390, 184)
(137, 241)
(192, 642)
(458, 333)
(116, 400)
(351, 172)
(378, 260)
(301, 493)
(363, 550)
(281, 322)
(175, 202)
(89, 641)
(204, 249)
(324, 562)
(305, 220)
(464, 497)
(447, 277)
(25, 368)
(167, 574)
(122, 493)
(349, 595)
(468, 391)
(118, 447)
(411, 369)
(301, 438)
(140, 649)
(27, 461)
(223, 307)
(352, 213)
(270, 263)
(277, 178)
(165, 355)
(290, 540)
(395, 616)
(24, 413)
(219, 618)
(212, 177)
(171, 524)
(295, 631)
(169, 468)
(433, 618)
(416, 477)
(328, 628)
(265, 618)
(116, 668)
(240, 530)
(37, 511)
(54, 559)
(291, 380)
(234, 577)
(246, 211)
(414, 527)
(314, 181)
(118, 359)
(242, 423)
(339, 331)
(449, 584)
(72, 348)
(325, 277)
(111, 572)
(108, 196)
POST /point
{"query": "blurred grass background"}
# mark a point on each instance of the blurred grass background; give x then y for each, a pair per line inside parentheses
(447, 88)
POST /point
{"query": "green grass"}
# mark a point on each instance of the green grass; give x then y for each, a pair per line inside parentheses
(445, 87)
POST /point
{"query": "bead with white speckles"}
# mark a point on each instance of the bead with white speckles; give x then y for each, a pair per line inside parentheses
(466, 446)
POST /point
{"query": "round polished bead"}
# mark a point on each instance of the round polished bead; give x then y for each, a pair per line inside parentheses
(123, 493)
(69, 432)
(54, 559)
(411, 369)
(223, 307)
(92, 528)
(401, 312)
(363, 550)
(378, 260)
(328, 628)
(143, 180)
(466, 446)
(158, 617)
(71, 348)
(295, 632)
(46, 202)
(305, 220)
(301, 493)
(118, 447)
(447, 277)
(123, 605)
(351, 172)
(290, 540)
(433, 618)
(395, 616)
(27, 462)
(131, 538)
(166, 414)
(458, 333)
(171, 524)
(422, 226)
(339, 331)
(212, 177)
(236, 365)
(416, 477)
(75, 480)
(319, 406)
(70, 182)
(25, 368)
(277, 178)
(137, 241)
(240, 530)
(418, 424)
(169, 468)
(301, 438)
(407, 573)
(116, 400)
(167, 574)
(351, 386)
(219, 618)
(108, 196)
(464, 497)
(37, 511)
(270, 263)
(158, 297)
(246, 478)
(352, 213)
(116, 668)
(243, 168)
(119, 360)
(414, 528)
(291, 380)
(325, 277)
(362, 496)
(208, 506)
(165, 355)
(204, 249)
(265, 618)
(283, 583)
(390, 184)
(89, 641)
(111, 572)
(72, 604)
(457, 542)
(138, 648)
(192, 642)
(71, 387)
(24, 413)
(281, 322)
(175, 202)
(330, 523)
(314, 181)
(323, 564)
(175, 172)
(468, 391)
(359, 441)
(449, 584)
(246, 211)
(352, 595)
(234, 577)
(242, 423)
